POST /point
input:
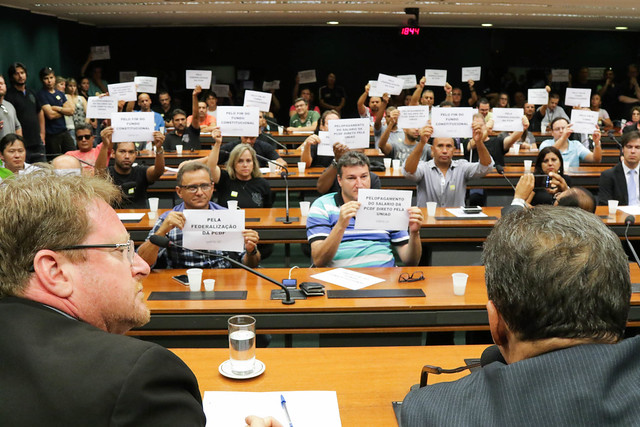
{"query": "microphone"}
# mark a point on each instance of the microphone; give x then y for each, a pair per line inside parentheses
(284, 174)
(500, 170)
(165, 242)
(610, 134)
(489, 355)
(278, 143)
(630, 220)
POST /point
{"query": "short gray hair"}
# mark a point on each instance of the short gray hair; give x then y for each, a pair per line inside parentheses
(352, 158)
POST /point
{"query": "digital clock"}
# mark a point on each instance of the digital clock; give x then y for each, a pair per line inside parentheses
(409, 31)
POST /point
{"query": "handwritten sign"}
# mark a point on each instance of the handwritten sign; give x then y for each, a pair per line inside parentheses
(101, 107)
(435, 77)
(260, 100)
(508, 119)
(577, 97)
(146, 84)
(354, 133)
(132, 126)
(222, 91)
(389, 84)
(413, 117)
(273, 85)
(325, 148)
(559, 75)
(471, 73)
(198, 77)
(538, 96)
(452, 122)
(100, 52)
(239, 121)
(374, 90)
(123, 91)
(584, 121)
(409, 81)
(307, 76)
(383, 209)
(219, 229)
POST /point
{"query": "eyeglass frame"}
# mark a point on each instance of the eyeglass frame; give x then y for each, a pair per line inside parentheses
(83, 137)
(130, 246)
(408, 278)
(193, 189)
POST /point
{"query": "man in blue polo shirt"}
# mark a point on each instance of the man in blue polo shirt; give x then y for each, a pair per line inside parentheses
(330, 225)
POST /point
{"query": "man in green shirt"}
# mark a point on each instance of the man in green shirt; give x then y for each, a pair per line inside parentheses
(303, 119)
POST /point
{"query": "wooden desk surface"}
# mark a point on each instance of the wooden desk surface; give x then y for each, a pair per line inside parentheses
(366, 379)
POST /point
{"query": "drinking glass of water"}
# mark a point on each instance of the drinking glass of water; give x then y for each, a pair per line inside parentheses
(242, 344)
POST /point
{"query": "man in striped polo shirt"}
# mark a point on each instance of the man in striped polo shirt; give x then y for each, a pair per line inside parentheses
(330, 225)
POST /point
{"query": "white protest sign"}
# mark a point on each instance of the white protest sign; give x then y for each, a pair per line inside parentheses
(213, 229)
(538, 96)
(239, 121)
(471, 73)
(435, 77)
(101, 107)
(412, 117)
(508, 119)
(100, 52)
(409, 80)
(307, 76)
(389, 84)
(198, 77)
(596, 73)
(127, 76)
(452, 122)
(260, 100)
(273, 85)
(577, 97)
(584, 121)
(374, 90)
(383, 209)
(132, 126)
(222, 91)
(146, 84)
(354, 133)
(123, 91)
(559, 75)
(325, 148)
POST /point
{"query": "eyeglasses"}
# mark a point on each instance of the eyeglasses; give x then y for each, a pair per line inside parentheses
(414, 277)
(81, 137)
(129, 247)
(194, 188)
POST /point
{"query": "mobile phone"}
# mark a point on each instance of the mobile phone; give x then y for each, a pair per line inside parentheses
(471, 209)
(290, 283)
(183, 279)
(542, 181)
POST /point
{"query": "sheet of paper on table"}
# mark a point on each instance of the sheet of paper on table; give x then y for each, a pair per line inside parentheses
(131, 216)
(631, 210)
(347, 278)
(306, 408)
(460, 214)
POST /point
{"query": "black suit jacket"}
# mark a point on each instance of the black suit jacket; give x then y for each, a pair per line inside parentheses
(585, 385)
(58, 371)
(613, 186)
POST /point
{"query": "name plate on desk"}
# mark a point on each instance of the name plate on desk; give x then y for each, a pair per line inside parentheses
(376, 293)
(197, 296)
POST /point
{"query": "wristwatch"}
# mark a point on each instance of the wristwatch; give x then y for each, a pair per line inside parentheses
(334, 164)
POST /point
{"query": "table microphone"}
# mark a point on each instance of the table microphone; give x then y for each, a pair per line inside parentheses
(278, 143)
(500, 170)
(630, 220)
(165, 242)
(284, 174)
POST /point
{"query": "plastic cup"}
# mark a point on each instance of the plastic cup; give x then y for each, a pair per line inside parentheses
(516, 148)
(459, 283)
(396, 163)
(242, 344)
(179, 149)
(387, 162)
(152, 215)
(153, 204)
(431, 208)
(280, 130)
(304, 208)
(273, 168)
(209, 284)
(527, 166)
(302, 166)
(195, 277)
(232, 205)
(613, 207)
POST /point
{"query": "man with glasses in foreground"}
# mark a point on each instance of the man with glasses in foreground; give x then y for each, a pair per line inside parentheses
(70, 287)
(195, 188)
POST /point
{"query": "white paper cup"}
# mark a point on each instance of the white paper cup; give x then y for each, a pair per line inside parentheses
(179, 149)
(304, 208)
(387, 162)
(516, 148)
(209, 284)
(527, 166)
(396, 163)
(613, 207)
(280, 130)
(273, 168)
(153, 204)
(242, 344)
(195, 277)
(152, 215)
(302, 166)
(431, 208)
(459, 283)
(232, 205)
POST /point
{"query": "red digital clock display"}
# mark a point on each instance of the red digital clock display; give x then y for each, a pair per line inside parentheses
(409, 31)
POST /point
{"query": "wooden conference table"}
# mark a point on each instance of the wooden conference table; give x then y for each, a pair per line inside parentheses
(366, 379)
(438, 310)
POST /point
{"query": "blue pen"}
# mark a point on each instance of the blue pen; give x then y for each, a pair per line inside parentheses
(284, 406)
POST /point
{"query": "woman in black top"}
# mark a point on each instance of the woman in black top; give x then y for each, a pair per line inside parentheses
(549, 160)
